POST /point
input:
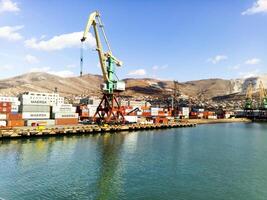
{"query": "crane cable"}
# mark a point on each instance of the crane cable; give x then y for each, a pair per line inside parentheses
(104, 34)
(81, 60)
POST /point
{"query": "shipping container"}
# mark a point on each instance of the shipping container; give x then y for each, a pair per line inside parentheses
(131, 119)
(34, 108)
(5, 109)
(5, 104)
(48, 122)
(35, 115)
(64, 115)
(2, 123)
(161, 120)
(3, 116)
(63, 108)
(14, 108)
(15, 123)
(66, 121)
(14, 116)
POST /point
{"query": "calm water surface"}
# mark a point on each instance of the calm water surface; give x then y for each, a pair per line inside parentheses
(224, 161)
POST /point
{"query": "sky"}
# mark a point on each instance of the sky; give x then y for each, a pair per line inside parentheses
(166, 39)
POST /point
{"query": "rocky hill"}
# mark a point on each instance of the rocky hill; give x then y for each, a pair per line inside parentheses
(90, 85)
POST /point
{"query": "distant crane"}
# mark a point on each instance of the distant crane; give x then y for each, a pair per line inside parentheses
(109, 109)
(175, 101)
(263, 97)
(248, 101)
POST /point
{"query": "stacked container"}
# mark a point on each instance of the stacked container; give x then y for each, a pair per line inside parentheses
(30, 112)
(83, 112)
(14, 120)
(15, 103)
(5, 108)
(65, 114)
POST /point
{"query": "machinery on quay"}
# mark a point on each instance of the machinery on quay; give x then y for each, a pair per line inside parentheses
(109, 109)
(248, 101)
(263, 97)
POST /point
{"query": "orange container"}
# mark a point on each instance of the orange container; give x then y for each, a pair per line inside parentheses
(12, 116)
(66, 121)
(161, 120)
(146, 114)
(15, 123)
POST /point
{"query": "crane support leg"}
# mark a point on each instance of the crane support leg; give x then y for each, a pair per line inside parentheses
(109, 110)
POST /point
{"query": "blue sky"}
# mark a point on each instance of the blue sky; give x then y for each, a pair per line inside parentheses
(178, 39)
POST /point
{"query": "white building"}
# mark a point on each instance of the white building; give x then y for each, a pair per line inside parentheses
(37, 98)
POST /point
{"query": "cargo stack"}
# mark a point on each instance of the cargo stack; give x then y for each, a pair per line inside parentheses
(5, 109)
(33, 113)
(83, 112)
(14, 120)
(65, 114)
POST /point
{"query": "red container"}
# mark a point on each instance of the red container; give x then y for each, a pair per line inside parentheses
(15, 123)
(5, 109)
(12, 116)
(66, 121)
(5, 104)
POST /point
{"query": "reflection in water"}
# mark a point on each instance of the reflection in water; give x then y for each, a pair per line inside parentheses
(109, 182)
(197, 163)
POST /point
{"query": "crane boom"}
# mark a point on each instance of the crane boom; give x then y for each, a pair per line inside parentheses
(92, 22)
(107, 60)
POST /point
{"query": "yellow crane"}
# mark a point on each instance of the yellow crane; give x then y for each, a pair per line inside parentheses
(248, 101)
(109, 108)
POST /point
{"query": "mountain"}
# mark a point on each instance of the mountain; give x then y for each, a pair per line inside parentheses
(146, 87)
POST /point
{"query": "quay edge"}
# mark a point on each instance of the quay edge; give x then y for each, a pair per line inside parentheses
(21, 132)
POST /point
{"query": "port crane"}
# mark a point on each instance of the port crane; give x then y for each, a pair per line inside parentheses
(109, 109)
(248, 101)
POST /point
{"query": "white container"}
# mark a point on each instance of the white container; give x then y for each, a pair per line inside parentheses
(35, 108)
(35, 115)
(2, 116)
(14, 108)
(92, 110)
(185, 111)
(2, 123)
(65, 115)
(131, 119)
(63, 108)
(154, 111)
(48, 122)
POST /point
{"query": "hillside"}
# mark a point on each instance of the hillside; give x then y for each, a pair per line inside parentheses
(90, 85)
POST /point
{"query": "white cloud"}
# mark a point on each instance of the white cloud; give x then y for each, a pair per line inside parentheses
(8, 6)
(249, 74)
(253, 61)
(260, 6)
(138, 72)
(62, 73)
(60, 42)
(31, 59)
(217, 59)
(11, 32)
